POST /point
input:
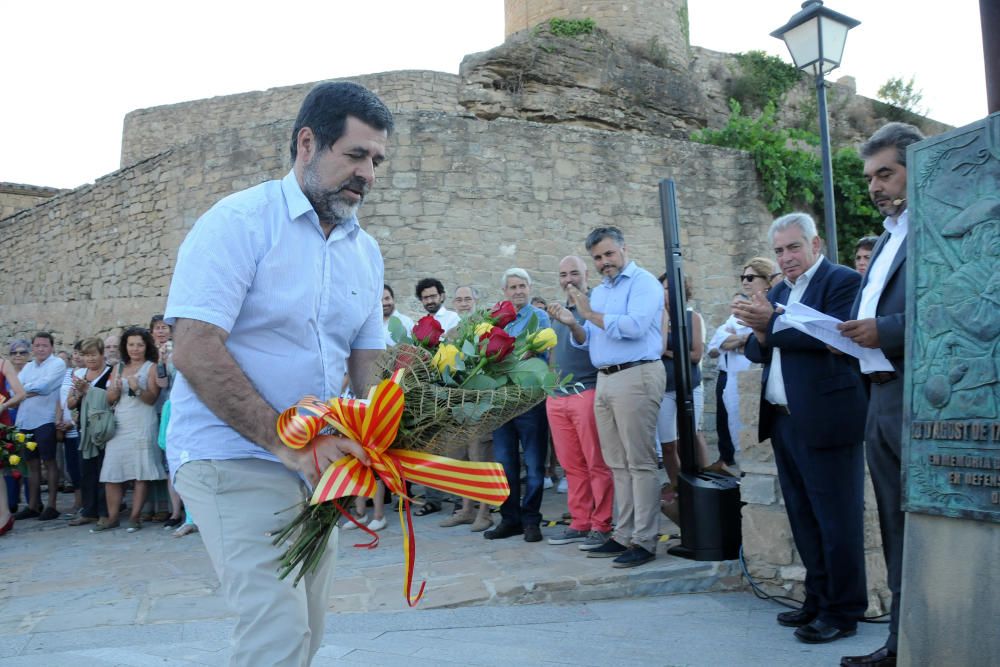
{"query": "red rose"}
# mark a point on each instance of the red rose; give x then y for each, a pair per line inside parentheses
(499, 343)
(16, 474)
(504, 313)
(428, 331)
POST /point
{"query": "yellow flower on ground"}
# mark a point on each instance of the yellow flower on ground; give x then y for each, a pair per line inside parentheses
(445, 358)
(543, 339)
(31, 446)
(14, 459)
(483, 328)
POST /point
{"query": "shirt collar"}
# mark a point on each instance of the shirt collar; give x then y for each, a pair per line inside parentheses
(897, 224)
(298, 206)
(807, 276)
(627, 272)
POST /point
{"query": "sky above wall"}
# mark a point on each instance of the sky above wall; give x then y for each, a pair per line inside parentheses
(72, 70)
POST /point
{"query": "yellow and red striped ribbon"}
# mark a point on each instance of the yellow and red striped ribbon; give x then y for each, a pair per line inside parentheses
(374, 424)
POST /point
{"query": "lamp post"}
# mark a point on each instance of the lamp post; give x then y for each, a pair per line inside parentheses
(815, 37)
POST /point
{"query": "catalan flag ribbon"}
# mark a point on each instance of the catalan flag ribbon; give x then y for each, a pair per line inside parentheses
(374, 424)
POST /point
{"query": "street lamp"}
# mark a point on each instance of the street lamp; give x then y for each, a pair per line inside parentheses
(815, 37)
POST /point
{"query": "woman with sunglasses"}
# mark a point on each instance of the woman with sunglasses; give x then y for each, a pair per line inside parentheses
(727, 346)
(20, 354)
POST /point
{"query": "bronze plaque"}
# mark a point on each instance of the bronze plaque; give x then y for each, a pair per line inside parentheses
(951, 431)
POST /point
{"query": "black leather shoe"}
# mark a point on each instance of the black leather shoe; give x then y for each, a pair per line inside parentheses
(609, 549)
(796, 619)
(880, 658)
(503, 531)
(633, 556)
(532, 533)
(820, 632)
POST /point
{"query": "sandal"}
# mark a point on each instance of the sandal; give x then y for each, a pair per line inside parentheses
(429, 507)
(103, 525)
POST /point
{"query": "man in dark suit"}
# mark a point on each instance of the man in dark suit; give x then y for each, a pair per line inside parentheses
(878, 321)
(813, 408)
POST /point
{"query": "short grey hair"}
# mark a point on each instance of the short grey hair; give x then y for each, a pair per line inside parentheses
(601, 233)
(892, 135)
(512, 272)
(475, 292)
(19, 343)
(801, 220)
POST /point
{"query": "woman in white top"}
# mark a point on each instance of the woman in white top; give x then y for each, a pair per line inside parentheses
(132, 454)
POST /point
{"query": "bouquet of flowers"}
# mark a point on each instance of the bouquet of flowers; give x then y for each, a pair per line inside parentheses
(13, 445)
(433, 391)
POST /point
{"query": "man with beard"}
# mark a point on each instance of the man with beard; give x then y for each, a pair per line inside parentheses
(465, 300)
(878, 320)
(430, 291)
(275, 295)
(621, 330)
(389, 313)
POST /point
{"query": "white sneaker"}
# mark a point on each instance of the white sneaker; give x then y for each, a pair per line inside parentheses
(350, 525)
(377, 524)
(563, 486)
(547, 484)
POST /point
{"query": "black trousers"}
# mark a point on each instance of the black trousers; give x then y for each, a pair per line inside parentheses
(727, 451)
(91, 489)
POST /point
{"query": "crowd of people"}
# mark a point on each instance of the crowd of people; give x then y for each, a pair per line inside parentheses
(96, 414)
(259, 285)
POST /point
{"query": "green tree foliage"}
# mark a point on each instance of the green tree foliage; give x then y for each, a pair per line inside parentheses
(788, 163)
(571, 27)
(763, 79)
(902, 95)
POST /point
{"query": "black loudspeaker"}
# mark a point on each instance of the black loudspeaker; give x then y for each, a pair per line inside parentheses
(711, 524)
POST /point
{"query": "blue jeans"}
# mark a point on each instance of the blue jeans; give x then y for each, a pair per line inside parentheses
(531, 431)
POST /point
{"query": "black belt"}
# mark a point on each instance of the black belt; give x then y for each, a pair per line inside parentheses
(881, 377)
(608, 370)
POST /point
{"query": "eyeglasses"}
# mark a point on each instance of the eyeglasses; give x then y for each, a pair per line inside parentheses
(19, 352)
(750, 277)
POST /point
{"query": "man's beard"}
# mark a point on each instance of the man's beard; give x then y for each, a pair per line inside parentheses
(330, 205)
(432, 308)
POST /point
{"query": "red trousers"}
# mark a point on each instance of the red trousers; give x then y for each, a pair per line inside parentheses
(574, 436)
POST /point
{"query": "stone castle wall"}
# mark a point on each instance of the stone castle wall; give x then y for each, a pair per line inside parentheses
(662, 23)
(461, 198)
(148, 132)
(15, 197)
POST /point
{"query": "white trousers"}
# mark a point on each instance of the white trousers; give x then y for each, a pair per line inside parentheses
(235, 503)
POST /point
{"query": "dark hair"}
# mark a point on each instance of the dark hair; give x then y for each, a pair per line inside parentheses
(429, 282)
(688, 292)
(157, 318)
(389, 290)
(601, 233)
(866, 242)
(892, 135)
(327, 106)
(147, 338)
(78, 345)
(44, 334)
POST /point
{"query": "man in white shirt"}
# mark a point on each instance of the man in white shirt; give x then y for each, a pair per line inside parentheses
(430, 291)
(42, 377)
(389, 313)
(878, 320)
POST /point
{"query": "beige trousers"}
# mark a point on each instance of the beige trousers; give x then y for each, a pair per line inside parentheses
(626, 405)
(234, 503)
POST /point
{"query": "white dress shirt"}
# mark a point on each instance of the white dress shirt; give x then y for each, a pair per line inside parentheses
(878, 270)
(448, 319)
(775, 392)
(43, 379)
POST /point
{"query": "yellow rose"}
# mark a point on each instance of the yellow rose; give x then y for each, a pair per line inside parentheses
(31, 446)
(445, 358)
(19, 437)
(14, 459)
(483, 329)
(542, 340)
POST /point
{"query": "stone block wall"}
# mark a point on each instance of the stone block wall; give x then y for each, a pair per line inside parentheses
(460, 198)
(148, 132)
(658, 23)
(768, 548)
(15, 197)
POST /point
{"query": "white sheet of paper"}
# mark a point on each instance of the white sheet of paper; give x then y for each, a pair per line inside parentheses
(823, 328)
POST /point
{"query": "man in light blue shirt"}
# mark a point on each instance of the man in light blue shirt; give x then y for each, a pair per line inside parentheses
(530, 429)
(622, 319)
(276, 294)
(42, 377)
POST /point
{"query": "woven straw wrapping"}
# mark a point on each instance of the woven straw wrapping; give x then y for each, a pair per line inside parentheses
(436, 418)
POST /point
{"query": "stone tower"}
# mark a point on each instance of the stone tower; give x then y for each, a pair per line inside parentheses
(637, 21)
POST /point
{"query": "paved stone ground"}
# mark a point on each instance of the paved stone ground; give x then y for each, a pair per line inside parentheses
(148, 599)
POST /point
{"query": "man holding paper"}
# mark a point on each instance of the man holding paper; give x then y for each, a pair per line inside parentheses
(878, 321)
(812, 408)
